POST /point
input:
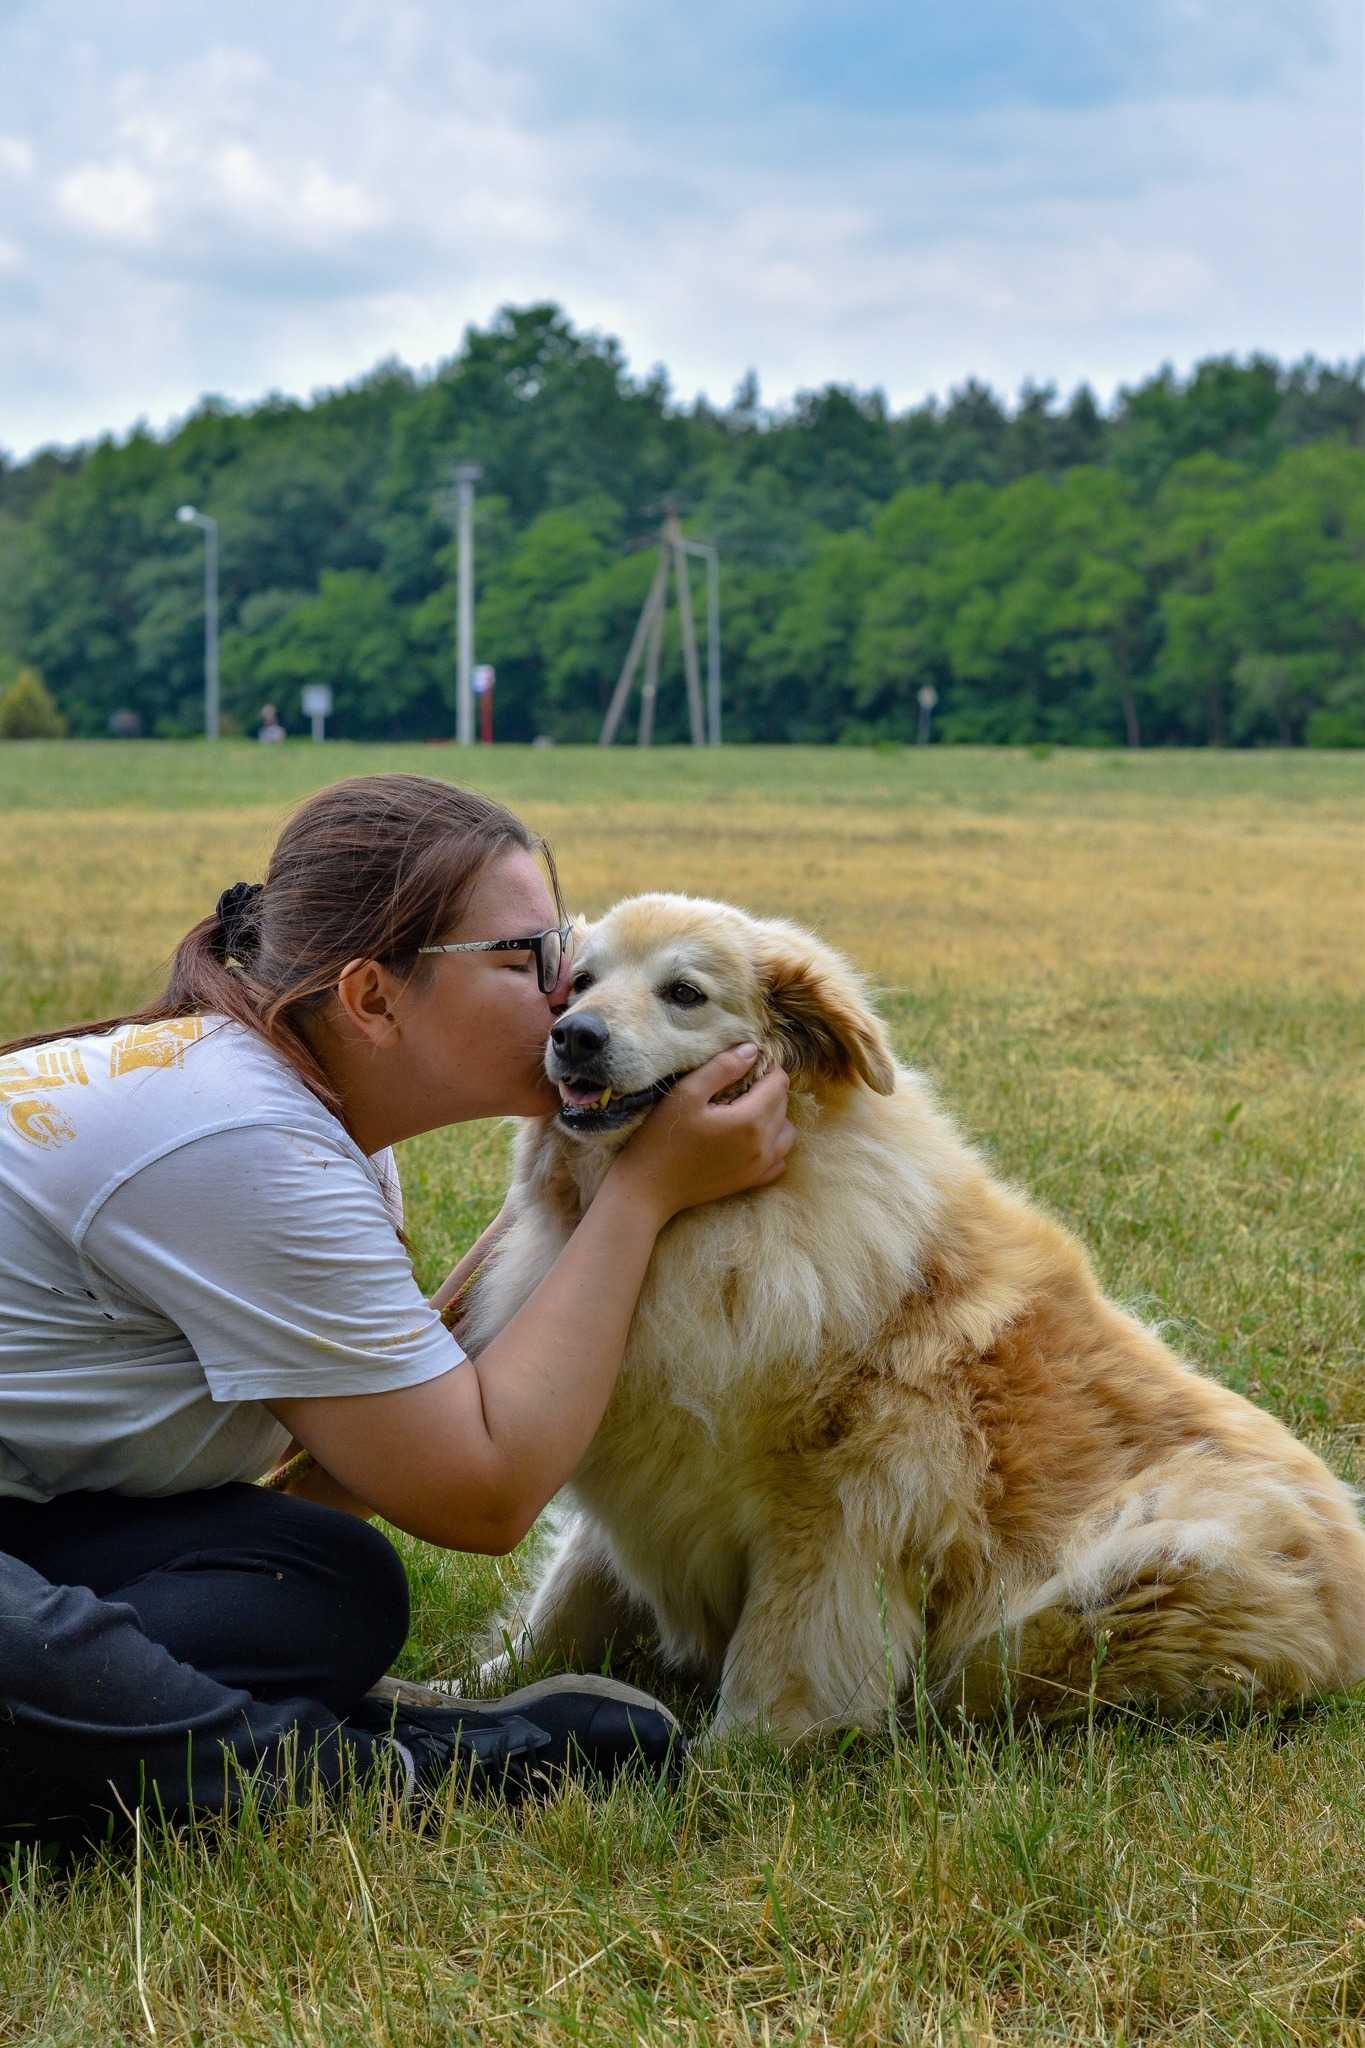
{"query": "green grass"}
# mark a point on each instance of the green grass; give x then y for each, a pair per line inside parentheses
(169, 775)
(1138, 983)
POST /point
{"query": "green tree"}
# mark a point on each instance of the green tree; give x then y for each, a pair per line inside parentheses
(1226, 408)
(349, 635)
(1339, 720)
(585, 637)
(1053, 571)
(799, 681)
(27, 711)
(835, 453)
(900, 641)
(1099, 622)
(553, 556)
(1277, 692)
(1194, 514)
(260, 630)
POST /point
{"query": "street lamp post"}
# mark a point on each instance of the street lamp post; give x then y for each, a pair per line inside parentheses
(467, 474)
(712, 557)
(188, 516)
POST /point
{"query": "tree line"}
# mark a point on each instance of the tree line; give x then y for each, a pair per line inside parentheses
(1185, 567)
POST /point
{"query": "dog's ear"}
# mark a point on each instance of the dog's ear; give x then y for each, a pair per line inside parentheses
(821, 1018)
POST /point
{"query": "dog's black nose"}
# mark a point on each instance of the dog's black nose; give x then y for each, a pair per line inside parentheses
(580, 1036)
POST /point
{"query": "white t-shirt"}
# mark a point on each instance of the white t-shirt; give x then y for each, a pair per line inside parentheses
(186, 1233)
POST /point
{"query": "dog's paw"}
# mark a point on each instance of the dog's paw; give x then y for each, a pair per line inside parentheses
(791, 1728)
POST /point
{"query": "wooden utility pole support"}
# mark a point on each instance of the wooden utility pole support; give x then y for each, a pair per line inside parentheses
(647, 640)
(651, 684)
(658, 591)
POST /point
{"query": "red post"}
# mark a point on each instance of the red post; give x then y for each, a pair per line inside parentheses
(486, 717)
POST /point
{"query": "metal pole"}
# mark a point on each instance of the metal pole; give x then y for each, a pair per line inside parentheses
(467, 474)
(712, 556)
(189, 516)
(657, 598)
(674, 539)
(211, 720)
(713, 648)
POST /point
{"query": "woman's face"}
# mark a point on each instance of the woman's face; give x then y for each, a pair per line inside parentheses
(473, 1027)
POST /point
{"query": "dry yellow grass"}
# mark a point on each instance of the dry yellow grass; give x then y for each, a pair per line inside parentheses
(1139, 983)
(1239, 894)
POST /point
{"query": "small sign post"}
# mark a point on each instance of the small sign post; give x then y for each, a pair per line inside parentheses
(316, 699)
(926, 697)
(481, 682)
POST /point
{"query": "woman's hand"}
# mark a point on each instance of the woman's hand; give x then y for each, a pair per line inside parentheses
(692, 1149)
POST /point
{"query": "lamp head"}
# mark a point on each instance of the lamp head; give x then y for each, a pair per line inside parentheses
(187, 515)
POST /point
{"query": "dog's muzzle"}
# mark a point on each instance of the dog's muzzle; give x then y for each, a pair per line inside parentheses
(578, 1062)
(585, 1108)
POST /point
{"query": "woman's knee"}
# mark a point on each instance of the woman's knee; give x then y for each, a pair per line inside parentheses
(378, 1577)
(377, 1596)
(366, 1577)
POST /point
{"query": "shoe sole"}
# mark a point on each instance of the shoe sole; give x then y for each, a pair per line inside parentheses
(441, 1693)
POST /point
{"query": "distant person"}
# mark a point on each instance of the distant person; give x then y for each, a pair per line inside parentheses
(270, 728)
(200, 1260)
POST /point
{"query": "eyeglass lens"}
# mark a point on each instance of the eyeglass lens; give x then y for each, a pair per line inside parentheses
(551, 960)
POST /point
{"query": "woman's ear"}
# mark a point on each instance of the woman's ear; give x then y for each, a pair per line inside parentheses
(366, 996)
(821, 1018)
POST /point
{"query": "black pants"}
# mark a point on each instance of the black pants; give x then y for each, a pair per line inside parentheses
(154, 1650)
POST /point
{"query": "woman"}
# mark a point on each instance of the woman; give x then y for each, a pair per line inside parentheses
(200, 1261)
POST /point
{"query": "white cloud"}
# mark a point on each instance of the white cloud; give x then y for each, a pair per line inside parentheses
(332, 205)
(115, 201)
(366, 182)
(240, 177)
(16, 156)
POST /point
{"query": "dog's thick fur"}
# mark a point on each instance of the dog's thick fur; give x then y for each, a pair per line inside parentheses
(877, 1425)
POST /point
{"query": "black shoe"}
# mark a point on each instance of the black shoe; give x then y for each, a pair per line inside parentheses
(529, 1739)
(492, 1755)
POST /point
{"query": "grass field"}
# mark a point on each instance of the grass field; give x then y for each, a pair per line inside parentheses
(1138, 980)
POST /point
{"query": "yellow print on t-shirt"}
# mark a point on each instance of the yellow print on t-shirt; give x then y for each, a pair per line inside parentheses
(26, 1081)
(153, 1045)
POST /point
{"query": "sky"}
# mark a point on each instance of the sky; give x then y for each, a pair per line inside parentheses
(885, 193)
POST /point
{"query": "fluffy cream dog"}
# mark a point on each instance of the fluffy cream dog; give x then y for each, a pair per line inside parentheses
(876, 1423)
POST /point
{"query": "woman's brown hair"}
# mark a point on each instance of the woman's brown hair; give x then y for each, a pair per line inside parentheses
(372, 868)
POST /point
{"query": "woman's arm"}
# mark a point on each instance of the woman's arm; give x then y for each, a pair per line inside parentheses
(308, 1481)
(468, 1460)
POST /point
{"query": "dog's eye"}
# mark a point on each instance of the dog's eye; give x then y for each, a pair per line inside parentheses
(683, 995)
(579, 984)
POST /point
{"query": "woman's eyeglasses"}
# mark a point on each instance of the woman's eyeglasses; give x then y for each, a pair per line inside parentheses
(549, 948)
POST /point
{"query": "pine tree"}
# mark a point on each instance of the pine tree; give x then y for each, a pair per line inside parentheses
(27, 711)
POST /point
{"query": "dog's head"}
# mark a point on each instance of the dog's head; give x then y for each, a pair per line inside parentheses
(663, 983)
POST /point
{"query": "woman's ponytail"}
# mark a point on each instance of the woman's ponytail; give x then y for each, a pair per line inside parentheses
(373, 868)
